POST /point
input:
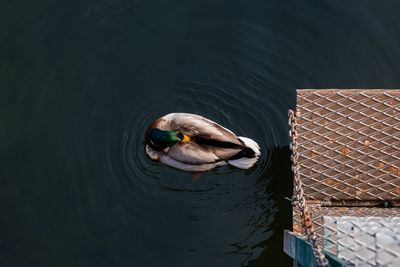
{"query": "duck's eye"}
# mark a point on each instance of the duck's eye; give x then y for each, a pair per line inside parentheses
(152, 143)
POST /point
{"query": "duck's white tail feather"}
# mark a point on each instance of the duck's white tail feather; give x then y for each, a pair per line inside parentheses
(251, 144)
(245, 163)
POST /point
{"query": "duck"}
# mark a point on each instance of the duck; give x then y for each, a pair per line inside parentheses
(190, 142)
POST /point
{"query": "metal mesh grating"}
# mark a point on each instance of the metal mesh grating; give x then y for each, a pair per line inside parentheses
(319, 212)
(349, 146)
(365, 241)
(349, 143)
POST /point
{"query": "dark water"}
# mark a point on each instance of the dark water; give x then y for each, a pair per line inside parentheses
(79, 82)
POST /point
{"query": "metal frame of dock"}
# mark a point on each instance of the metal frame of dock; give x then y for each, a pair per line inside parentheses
(348, 146)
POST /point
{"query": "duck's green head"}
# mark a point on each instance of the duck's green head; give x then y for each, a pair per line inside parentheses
(160, 139)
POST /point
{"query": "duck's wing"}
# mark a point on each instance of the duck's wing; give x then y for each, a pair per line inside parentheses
(195, 154)
(198, 126)
(189, 167)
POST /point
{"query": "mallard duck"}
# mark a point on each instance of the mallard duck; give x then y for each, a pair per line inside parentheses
(193, 143)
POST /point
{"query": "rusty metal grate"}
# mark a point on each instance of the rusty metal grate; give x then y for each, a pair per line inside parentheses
(349, 143)
(349, 147)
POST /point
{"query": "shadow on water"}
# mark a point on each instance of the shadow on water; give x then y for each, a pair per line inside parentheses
(281, 186)
(80, 82)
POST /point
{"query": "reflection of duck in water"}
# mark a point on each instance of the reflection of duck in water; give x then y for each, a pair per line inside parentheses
(193, 143)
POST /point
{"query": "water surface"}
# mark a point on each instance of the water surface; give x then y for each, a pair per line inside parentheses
(80, 82)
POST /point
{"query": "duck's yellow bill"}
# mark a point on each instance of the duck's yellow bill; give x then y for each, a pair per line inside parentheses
(185, 139)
